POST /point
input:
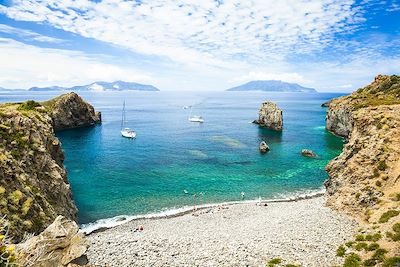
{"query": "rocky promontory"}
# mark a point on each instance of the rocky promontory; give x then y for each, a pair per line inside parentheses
(34, 188)
(70, 111)
(270, 116)
(364, 180)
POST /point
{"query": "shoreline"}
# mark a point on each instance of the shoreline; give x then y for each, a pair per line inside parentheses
(109, 223)
(299, 232)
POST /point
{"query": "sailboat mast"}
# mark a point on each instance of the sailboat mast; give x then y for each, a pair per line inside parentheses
(123, 116)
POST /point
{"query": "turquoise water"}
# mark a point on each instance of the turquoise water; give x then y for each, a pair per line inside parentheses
(214, 161)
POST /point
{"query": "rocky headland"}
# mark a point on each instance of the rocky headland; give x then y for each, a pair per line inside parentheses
(364, 180)
(34, 188)
(270, 116)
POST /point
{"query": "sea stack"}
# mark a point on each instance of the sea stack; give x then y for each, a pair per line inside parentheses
(270, 116)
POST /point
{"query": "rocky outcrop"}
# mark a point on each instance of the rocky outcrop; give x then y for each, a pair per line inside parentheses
(34, 188)
(364, 180)
(70, 111)
(308, 153)
(339, 118)
(264, 148)
(270, 116)
(60, 244)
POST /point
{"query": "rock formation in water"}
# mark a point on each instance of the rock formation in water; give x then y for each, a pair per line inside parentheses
(270, 116)
(364, 180)
(34, 188)
(308, 153)
(60, 244)
(264, 148)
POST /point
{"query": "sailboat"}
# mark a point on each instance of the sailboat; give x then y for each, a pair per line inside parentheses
(126, 132)
(195, 118)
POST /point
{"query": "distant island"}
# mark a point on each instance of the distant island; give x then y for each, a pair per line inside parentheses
(272, 86)
(101, 86)
(94, 87)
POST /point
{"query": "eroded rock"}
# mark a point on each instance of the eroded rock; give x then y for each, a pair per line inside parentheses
(264, 148)
(58, 245)
(270, 116)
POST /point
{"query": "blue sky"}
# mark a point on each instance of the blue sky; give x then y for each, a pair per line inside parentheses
(198, 45)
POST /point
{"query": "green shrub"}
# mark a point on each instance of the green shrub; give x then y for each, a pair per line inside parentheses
(369, 262)
(396, 235)
(16, 196)
(375, 237)
(273, 262)
(373, 246)
(391, 262)
(382, 165)
(360, 246)
(387, 215)
(292, 265)
(352, 260)
(27, 205)
(340, 251)
(6, 249)
(379, 254)
(28, 105)
(360, 238)
(378, 183)
(349, 244)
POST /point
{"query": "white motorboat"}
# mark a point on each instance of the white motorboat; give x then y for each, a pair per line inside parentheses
(125, 131)
(195, 118)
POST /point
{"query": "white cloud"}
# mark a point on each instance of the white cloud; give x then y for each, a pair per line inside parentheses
(23, 66)
(216, 33)
(27, 34)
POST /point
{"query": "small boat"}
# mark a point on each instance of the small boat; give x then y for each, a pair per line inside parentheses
(195, 118)
(125, 131)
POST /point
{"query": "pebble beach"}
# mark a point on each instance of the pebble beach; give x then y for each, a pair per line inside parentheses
(303, 232)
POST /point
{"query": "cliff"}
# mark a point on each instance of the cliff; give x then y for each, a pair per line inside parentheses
(364, 180)
(34, 188)
(270, 116)
(70, 111)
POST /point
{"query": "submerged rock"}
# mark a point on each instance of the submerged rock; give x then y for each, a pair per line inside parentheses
(58, 245)
(264, 148)
(308, 153)
(270, 116)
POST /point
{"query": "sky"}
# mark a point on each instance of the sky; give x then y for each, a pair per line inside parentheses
(208, 45)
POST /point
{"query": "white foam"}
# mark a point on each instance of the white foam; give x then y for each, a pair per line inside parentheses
(121, 219)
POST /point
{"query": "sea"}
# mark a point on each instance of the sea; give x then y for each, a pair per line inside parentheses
(174, 165)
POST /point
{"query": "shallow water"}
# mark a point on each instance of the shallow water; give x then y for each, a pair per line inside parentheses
(214, 161)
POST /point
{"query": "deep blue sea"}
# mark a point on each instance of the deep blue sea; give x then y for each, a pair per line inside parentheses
(214, 161)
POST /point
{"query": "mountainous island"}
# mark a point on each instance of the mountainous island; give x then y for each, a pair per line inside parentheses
(98, 87)
(272, 86)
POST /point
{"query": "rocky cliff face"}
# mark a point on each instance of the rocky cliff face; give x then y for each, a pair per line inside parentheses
(364, 180)
(270, 116)
(34, 187)
(70, 111)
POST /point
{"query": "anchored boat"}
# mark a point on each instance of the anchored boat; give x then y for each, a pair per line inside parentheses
(125, 131)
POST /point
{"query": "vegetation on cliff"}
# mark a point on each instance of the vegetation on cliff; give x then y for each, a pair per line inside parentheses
(364, 180)
(34, 188)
